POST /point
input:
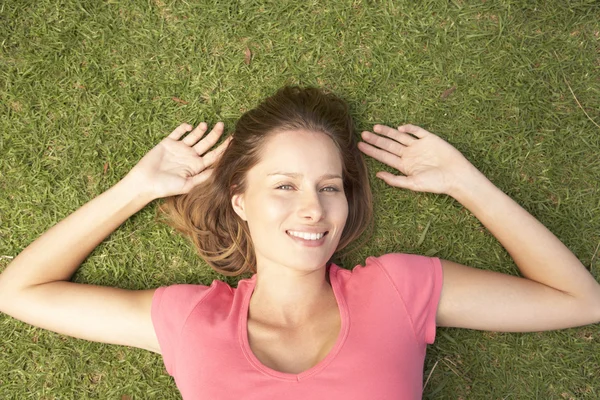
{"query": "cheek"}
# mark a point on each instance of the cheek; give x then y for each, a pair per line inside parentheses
(341, 212)
(267, 212)
(336, 208)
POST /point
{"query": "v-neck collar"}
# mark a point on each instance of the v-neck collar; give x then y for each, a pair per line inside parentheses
(251, 357)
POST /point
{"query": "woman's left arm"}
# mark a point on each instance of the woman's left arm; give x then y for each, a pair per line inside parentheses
(556, 292)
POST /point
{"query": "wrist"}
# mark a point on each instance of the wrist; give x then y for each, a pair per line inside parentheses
(468, 184)
(134, 190)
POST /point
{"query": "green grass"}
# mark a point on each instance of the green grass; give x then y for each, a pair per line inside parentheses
(88, 84)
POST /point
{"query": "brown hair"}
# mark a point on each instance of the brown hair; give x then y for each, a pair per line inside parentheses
(206, 215)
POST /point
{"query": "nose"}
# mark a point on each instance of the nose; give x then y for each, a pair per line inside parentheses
(311, 207)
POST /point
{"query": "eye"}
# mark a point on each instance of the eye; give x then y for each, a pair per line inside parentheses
(330, 189)
(285, 187)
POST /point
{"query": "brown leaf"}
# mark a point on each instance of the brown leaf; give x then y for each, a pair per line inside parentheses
(448, 92)
(15, 105)
(247, 56)
(95, 378)
(125, 397)
(178, 100)
(105, 168)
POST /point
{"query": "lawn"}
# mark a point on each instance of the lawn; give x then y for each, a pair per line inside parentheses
(87, 87)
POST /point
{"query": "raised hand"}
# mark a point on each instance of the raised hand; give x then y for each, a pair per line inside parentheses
(175, 166)
(428, 163)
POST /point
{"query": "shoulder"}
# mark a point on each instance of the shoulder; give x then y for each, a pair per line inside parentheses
(183, 298)
(400, 263)
(417, 281)
(182, 291)
(399, 260)
(408, 273)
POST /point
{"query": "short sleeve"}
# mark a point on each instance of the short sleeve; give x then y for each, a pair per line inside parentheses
(171, 306)
(418, 281)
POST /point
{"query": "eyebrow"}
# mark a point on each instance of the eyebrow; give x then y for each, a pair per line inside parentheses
(294, 175)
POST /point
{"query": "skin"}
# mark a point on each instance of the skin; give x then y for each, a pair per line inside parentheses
(297, 185)
(556, 291)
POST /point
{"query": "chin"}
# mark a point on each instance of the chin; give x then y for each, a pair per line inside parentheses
(311, 264)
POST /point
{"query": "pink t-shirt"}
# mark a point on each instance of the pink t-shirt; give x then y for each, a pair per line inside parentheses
(388, 309)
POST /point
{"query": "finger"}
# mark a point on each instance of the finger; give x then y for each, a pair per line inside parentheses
(403, 182)
(196, 134)
(400, 137)
(414, 130)
(381, 155)
(384, 143)
(210, 139)
(212, 156)
(196, 180)
(179, 131)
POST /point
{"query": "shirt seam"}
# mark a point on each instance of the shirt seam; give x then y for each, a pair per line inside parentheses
(178, 337)
(410, 318)
(437, 286)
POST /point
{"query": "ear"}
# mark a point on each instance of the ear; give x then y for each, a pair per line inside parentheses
(237, 201)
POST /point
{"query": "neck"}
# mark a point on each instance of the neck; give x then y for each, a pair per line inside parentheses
(286, 298)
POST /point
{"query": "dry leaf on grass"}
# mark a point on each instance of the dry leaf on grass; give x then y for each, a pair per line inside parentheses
(448, 92)
(178, 100)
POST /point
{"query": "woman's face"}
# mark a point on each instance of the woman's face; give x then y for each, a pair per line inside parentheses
(294, 201)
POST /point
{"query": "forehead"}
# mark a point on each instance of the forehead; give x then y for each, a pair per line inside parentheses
(299, 151)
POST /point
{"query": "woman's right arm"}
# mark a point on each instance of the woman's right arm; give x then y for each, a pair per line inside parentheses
(35, 286)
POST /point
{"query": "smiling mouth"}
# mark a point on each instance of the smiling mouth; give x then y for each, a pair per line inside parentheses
(306, 235)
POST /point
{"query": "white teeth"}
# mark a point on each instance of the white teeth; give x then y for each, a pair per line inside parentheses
(306, 235)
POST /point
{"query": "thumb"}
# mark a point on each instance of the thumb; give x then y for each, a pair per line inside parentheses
(196, 180)
(404, 182)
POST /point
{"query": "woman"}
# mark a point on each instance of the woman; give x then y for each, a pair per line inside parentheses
(279, 198)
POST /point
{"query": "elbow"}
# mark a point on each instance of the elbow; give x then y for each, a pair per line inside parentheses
(9, 291)
(587, 301)
(596, 309)
(592, 306)
(11, 298)
(5, 295)
(594, 314)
